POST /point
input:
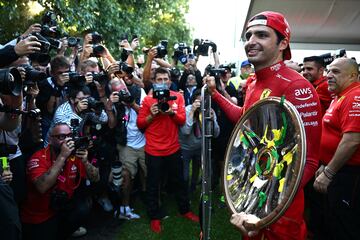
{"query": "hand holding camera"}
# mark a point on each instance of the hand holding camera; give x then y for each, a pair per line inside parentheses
(63, 78)
(82, 105)
(27, 46)
(82, 154)
(36, 27)
(196, 105)
(67, 147)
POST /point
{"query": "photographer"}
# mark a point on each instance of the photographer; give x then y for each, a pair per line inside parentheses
(78, 108)
(160, 118)
(130, 141)
(53, 91)
(54, 208)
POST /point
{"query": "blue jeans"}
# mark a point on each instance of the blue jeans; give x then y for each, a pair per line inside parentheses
(195, 156)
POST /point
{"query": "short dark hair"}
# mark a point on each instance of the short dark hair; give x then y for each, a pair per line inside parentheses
(319, 61)
(162, 70)
(87, 63)
(74, 90)
(59, 62)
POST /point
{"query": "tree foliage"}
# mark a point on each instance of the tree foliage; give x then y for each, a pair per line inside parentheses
(151, 20)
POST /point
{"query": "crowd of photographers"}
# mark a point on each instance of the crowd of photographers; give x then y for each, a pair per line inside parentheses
(79, 126)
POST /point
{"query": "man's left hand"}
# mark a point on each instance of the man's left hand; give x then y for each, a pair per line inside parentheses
(82, 153)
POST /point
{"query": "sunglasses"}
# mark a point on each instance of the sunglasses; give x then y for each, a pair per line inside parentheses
(62, 136)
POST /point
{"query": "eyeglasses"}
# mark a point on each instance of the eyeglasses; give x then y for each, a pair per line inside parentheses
(62, 136)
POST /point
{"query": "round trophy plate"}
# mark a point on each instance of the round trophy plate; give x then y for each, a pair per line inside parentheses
(264, 160)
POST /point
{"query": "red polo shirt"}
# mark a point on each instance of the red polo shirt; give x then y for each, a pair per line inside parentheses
(321, 87)
(36, 207)
(342, 116)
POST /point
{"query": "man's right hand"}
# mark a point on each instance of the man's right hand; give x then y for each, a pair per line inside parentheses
(241, 220)
(27, 46)
(67, 147)
(196, 104)
(154, 109)
(63, 78)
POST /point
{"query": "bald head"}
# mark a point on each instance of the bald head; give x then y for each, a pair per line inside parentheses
(342, 72)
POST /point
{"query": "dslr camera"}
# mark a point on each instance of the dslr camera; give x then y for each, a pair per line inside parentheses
(161, 49)
(201, 47)
(10, 82)
(50, 31)
(125, 96)
(32, 75)
(98, 49)
(162, 93)
(80, 142)
(75, 79)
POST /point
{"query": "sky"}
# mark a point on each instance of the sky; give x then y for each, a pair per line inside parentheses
(222, 22)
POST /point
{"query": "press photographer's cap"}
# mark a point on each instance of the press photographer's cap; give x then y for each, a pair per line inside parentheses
(245, 63)
(277, 22)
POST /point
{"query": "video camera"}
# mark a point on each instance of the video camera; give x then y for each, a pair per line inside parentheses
(162, 93)
(201, 47)
(331, 56)
(10, 82)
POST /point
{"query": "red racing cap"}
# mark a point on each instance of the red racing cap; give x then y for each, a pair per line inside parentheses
(277, 22)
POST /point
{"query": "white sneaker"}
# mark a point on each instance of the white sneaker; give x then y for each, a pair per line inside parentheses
(126, 213)
(81, 231)
(106, 204)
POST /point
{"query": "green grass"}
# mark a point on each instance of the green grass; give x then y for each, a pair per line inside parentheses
(178, 228)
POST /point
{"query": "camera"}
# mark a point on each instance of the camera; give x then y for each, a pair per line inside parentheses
(162, 93)
(98, 49)
(331, 56)
(32, 75)
(181, 52)
(101, 78)
(124, 68)
(73, 41)
(80, 142)
(10, 82)
(76, 79)
(124, 54)
(161, 49)
(96, 38)
(50, 31)
(201, 47)
(94, 104)
(125, 96)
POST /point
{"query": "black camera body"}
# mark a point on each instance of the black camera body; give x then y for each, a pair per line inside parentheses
(101, 78)
(94, 104)
(76, 79)
(181, 52)
(330, 57)
(125, 96)
(98, 50)
(161, 49)
(124, 67)
(162, 93)
(96, 38)
(32, 75)
(80, 142)
(201, 47)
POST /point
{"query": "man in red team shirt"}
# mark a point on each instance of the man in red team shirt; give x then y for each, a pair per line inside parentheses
(51, 210)
(340, 152)
(314, 72)
(267, 46)
(161, 123)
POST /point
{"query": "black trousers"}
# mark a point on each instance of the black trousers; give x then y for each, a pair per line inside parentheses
(157, 167)
(10, 227)
(63, 224)
(343, 201)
